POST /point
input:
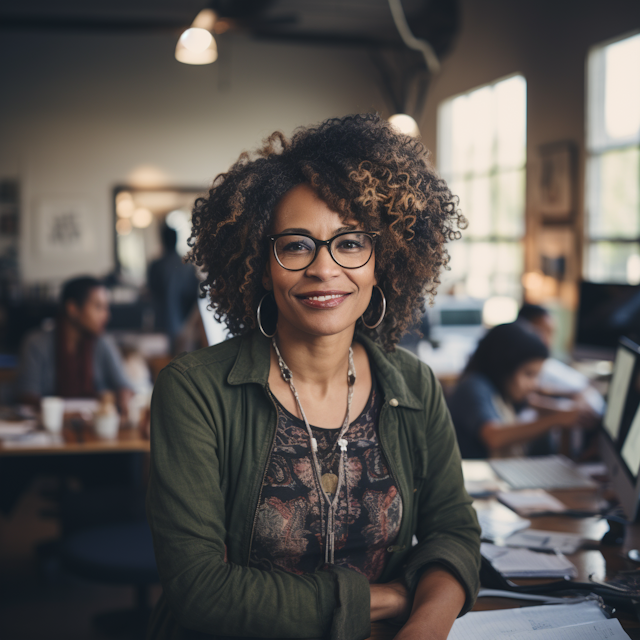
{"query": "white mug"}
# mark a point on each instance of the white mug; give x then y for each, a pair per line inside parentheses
(107, 425)
(52, 413)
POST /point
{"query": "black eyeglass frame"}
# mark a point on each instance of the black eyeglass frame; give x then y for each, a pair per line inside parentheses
(320, 243)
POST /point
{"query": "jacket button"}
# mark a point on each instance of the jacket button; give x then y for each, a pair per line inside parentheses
(393, 402)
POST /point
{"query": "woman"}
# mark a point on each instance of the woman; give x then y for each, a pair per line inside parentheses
(499, 377)
(319, 253)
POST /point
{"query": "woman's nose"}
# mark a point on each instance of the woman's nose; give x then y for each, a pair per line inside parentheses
(323, 266)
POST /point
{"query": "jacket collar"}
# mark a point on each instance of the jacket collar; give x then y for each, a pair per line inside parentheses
(252, 365)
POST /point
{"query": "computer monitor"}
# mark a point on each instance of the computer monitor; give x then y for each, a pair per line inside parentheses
(606, 312)
(620, 433)
(215, 331)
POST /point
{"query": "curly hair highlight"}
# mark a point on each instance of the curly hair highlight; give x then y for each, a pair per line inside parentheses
(363, 169)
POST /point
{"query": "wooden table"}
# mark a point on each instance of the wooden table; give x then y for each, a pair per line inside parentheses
(68, 454)
(79, 437)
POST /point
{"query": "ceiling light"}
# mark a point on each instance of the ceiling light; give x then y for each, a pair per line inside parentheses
(196, 45)
(405, 124)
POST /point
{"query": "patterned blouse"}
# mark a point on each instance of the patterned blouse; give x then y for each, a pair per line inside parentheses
(289, 530)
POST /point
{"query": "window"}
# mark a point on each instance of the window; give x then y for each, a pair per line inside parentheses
(482, 151)
(613, 162)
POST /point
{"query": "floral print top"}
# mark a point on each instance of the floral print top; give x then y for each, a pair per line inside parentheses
(291, 518)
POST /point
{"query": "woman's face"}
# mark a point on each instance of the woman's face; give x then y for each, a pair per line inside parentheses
(301, 211)
(524, 381)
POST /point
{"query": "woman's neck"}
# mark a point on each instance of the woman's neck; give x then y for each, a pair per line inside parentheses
(316, 361)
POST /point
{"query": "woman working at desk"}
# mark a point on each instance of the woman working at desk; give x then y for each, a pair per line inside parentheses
(496, 382)
(292, 466)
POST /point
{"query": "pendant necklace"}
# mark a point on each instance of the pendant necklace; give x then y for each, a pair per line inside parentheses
(329, 483)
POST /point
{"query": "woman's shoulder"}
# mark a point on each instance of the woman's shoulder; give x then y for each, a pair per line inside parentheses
(210, 359)
(474, 384)
(403, 372)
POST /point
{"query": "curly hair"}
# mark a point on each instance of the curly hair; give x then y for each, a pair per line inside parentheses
(363, 169)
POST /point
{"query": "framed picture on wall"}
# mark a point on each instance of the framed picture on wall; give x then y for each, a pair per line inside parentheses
(556, 181)
(64, 226)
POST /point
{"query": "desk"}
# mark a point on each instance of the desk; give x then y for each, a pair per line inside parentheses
(71, 454)
(601, 562)
(82, 439)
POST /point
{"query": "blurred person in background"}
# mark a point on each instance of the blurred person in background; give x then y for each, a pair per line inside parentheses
(488, 402)
(173, 286)
(557, 378)
(74, 359)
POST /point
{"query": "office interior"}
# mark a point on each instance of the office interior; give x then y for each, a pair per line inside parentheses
(531, 114)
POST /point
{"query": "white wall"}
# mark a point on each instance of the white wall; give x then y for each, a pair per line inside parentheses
(80, 112)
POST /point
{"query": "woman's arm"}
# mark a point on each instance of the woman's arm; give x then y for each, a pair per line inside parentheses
(438, 600)
(497, 436)
(186, 512)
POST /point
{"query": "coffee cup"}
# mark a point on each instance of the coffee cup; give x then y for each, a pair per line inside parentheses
(52, 413)
(107, 425)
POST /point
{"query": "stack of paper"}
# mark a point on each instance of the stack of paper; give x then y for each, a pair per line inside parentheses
(540, 540)
(10, 429)
(497, 522)
(528, 502)
(584, 621)
(523, 563)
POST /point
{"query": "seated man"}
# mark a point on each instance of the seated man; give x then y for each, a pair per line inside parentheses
(74, 360)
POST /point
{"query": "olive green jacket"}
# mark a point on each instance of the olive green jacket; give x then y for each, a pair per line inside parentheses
(212, 429)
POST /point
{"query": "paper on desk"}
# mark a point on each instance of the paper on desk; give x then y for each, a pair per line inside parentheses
(498, 523)
(523, 563)
(15, 428)
(33, 440)
(601, 630)
(505, 623)
(527, 502)
(532, 597)
(540, 540)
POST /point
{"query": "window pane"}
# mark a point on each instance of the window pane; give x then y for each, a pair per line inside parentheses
(614, 262)
(622, 89)
(509, 268)
(511, 122)
(614, 194)
(485, 269)
(477, 207)
(508, 197)
(614, 94)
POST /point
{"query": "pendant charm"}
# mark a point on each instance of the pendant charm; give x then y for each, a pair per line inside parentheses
(342, 443)
(329, 482)
(314, 445)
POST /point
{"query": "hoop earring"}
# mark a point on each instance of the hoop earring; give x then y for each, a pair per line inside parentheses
(258, 316)
(384, 310)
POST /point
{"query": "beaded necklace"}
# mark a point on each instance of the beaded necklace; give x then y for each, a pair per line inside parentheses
(328, 483)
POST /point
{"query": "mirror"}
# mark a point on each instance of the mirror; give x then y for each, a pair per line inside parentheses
(138, 218)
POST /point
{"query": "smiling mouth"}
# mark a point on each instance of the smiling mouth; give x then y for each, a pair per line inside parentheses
(323, 298)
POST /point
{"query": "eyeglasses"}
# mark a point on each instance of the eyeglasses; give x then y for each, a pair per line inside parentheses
(349, 249)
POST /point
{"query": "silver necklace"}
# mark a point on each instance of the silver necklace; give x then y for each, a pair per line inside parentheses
(328, 483)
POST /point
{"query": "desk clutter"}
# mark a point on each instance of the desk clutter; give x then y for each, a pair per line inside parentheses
(523, 563)
(516, 547)
(584, 621)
